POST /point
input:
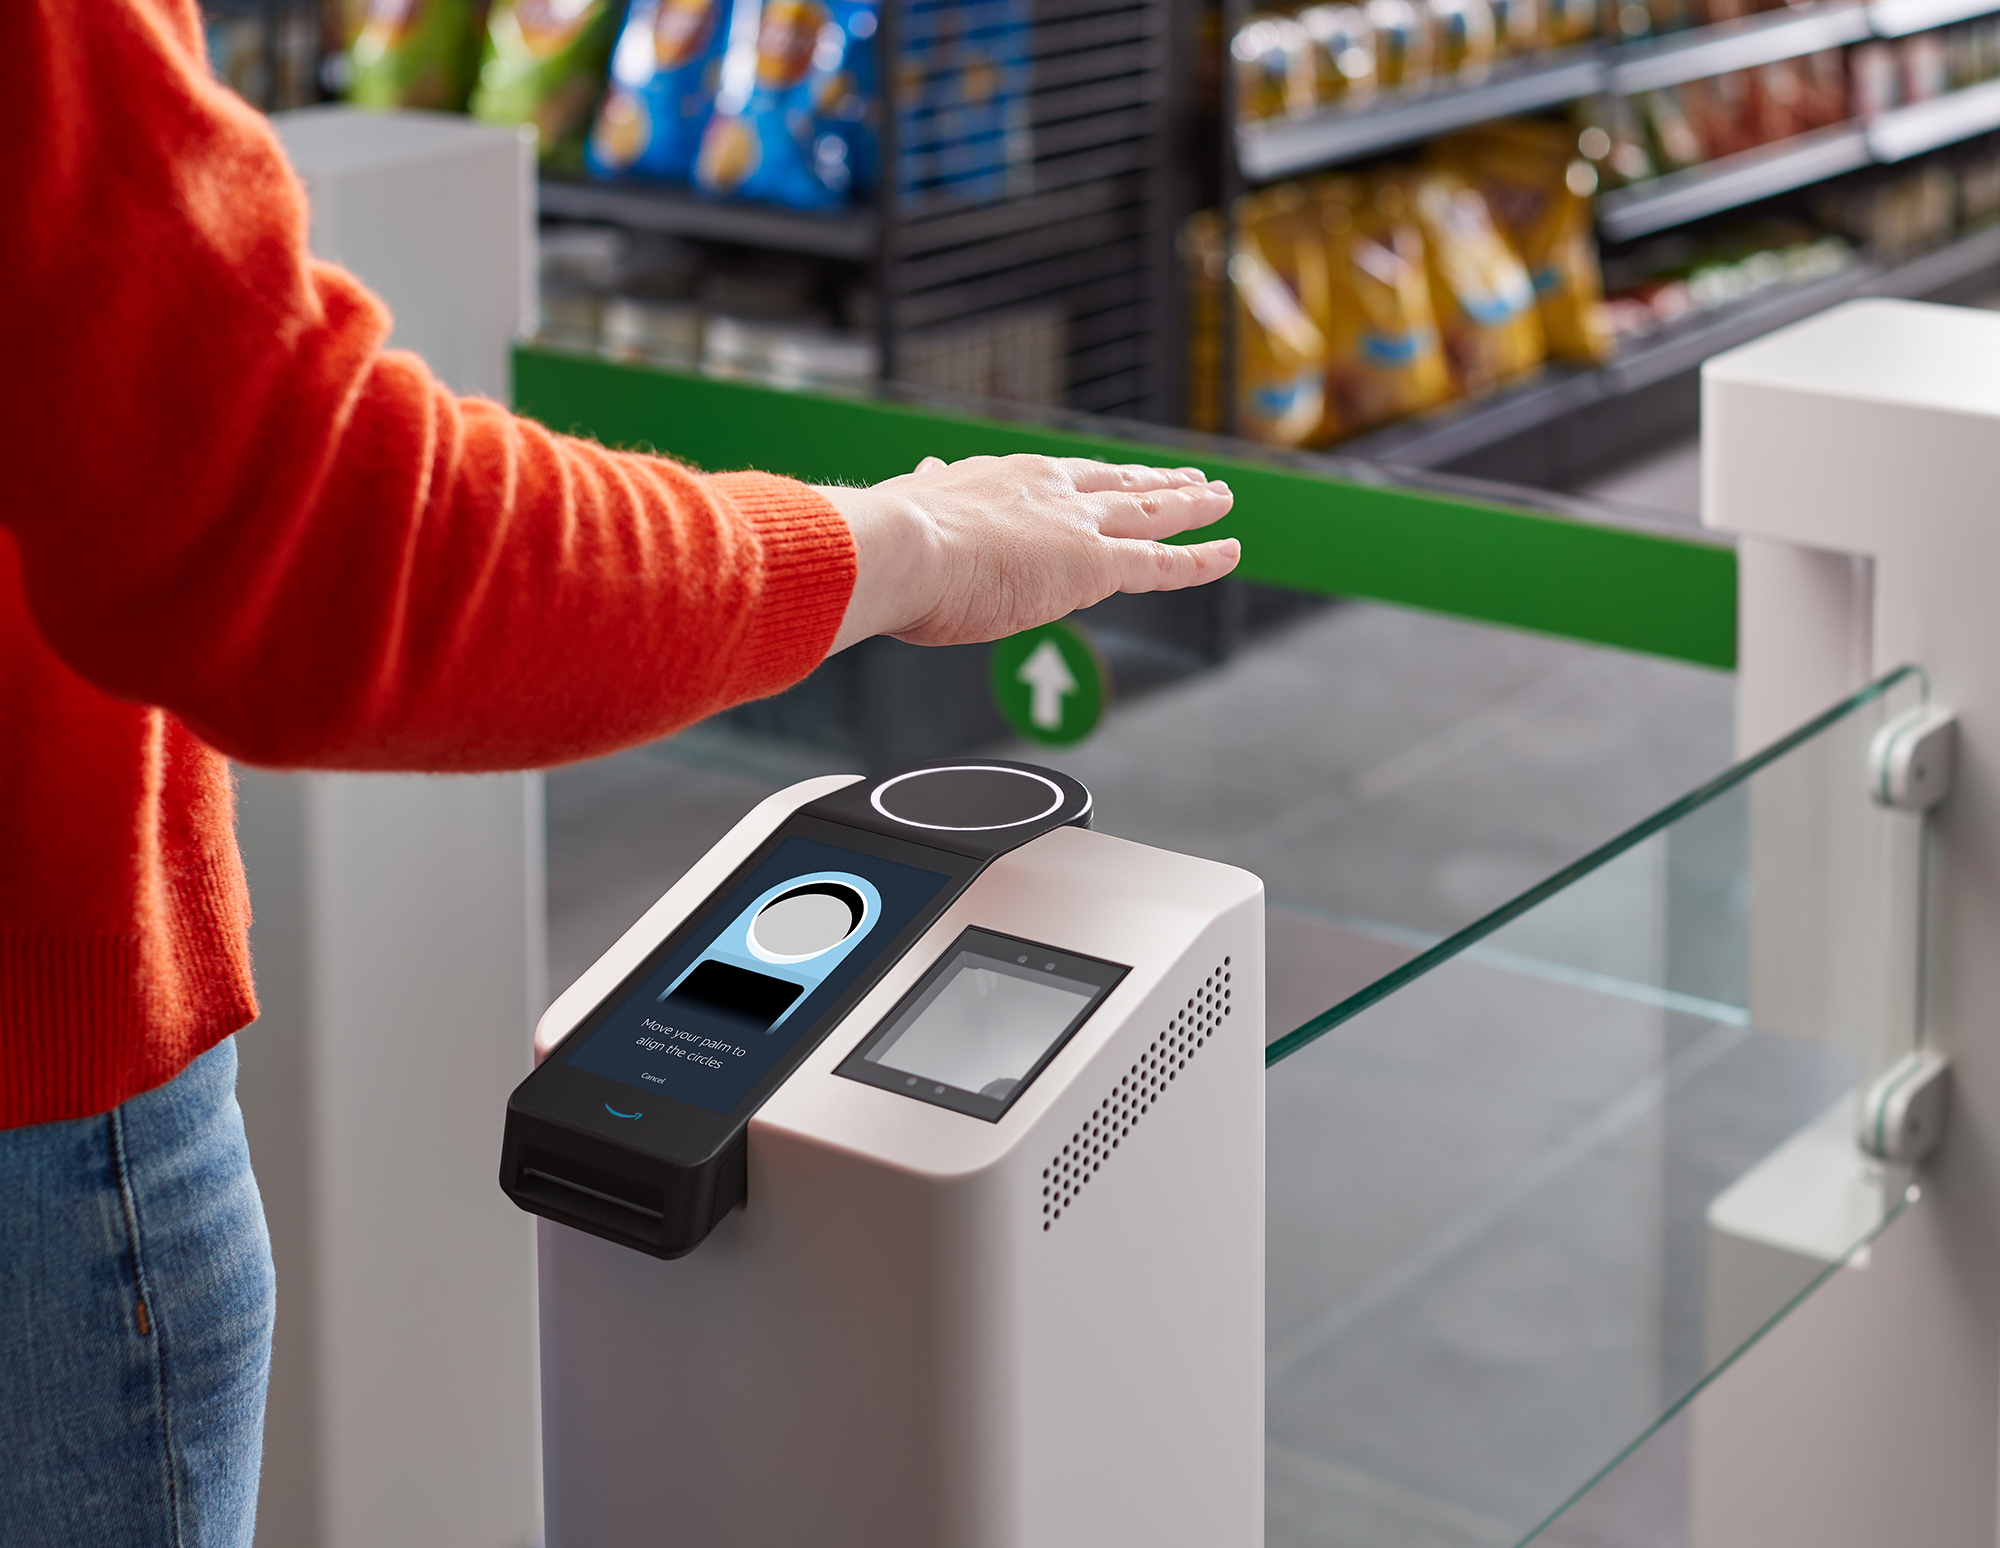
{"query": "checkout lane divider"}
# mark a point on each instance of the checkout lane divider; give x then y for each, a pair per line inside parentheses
(1368, 535)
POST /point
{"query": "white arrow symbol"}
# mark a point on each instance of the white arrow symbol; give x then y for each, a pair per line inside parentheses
(1049, 676)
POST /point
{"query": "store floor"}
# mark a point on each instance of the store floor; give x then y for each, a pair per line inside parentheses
(1665, 484)
(1391, 775)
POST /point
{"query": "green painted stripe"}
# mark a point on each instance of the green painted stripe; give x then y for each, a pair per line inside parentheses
(1638, 591)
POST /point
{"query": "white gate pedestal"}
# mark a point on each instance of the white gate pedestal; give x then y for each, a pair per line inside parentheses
(1858, 454)
(400, 953)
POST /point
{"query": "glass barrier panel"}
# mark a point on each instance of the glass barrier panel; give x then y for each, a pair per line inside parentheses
(1535, 1184)
(1531, 1179)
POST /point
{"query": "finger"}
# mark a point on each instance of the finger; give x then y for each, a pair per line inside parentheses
(1164, 567)
(1163, 513)
(928, 463)
(1133, 477)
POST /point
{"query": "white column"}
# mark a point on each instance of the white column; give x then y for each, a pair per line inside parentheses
(1858, 454)
(400, 944)
(437, 215)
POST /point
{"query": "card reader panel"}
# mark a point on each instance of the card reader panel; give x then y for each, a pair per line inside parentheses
(985, 1019)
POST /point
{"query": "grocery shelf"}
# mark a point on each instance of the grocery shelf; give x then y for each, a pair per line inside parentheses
(1731, 181)
(657, 207)
(1924, 126)
(1278, 149)
(1440, 438)
(1275, 148)
(1684, 346)
(1444, 438)
(1899, 18)
(1935, 271)
(1739, 45)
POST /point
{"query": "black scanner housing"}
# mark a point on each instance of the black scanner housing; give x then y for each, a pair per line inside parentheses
(661, 1191)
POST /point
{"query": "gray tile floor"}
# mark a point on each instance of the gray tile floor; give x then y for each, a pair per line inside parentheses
(1392, 776)
(1487, 1197)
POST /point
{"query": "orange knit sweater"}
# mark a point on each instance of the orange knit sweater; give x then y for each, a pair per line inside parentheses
(233, 524)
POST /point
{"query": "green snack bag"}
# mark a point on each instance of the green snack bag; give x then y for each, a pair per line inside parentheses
(416, 53)
(545, 63)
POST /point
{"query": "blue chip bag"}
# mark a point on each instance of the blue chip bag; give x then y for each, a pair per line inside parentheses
(962, 109)
(982, 109)
(664, 76)
(845, 99)
(793, 121)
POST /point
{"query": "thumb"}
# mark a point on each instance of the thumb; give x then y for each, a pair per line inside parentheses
(930, 462)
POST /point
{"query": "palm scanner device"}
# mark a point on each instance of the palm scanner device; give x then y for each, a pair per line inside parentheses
(947, 1114)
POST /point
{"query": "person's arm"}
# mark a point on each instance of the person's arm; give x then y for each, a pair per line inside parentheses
(229, 500)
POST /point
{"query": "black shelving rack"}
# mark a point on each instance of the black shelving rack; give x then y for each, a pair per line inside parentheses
(1088, 234)
(1557, 426)
(1080, 240)
(275, 52)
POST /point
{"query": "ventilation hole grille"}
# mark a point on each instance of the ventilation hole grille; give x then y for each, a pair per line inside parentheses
(1112, 1121)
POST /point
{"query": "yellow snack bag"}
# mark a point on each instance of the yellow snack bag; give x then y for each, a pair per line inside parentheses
(1568, 21)
(1275, 74)
(1384, 357)
(1538, 188)
(1280, 355)
(1517, 27)
(1284, 225)
(1485, 304)
(1343, 50)
(1462, 36)
(1402, 42)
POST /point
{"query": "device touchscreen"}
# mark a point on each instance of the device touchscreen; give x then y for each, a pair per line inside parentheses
(982, 1023)
(720, 1011)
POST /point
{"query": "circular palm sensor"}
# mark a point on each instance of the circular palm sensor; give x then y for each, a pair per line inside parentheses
(807, 920)
(968, 799)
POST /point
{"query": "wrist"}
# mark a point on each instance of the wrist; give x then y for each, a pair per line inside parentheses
(892, 539)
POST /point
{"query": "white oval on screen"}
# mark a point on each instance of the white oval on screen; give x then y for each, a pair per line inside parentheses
(803, 924)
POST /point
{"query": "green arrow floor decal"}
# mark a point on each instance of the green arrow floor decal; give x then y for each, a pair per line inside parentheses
(1051, 683)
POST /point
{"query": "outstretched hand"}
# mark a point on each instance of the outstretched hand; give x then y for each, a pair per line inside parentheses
(960, 552)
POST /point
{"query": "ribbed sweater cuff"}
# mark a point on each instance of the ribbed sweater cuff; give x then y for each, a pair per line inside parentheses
(808, 569)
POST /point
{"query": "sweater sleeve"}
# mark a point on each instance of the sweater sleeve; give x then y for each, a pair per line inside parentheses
(231, 501)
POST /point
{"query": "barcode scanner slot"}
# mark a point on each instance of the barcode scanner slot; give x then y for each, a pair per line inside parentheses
(552, 1180)
(591, 1198)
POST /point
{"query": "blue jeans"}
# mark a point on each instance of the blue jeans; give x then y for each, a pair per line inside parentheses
(135, 1322)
